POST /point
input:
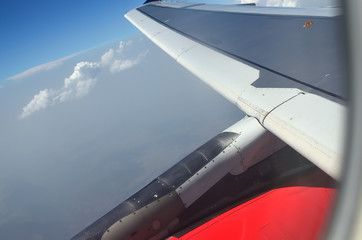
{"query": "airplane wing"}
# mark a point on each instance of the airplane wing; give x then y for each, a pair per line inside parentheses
(267, 61)
(283, 67)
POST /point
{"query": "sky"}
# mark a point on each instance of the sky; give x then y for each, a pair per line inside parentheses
(40, 31)
(91, 111)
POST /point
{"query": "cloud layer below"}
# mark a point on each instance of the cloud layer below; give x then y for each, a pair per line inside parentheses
(42, 67)
(83, 79)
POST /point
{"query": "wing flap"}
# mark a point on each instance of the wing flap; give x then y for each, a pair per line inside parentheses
(313, 126)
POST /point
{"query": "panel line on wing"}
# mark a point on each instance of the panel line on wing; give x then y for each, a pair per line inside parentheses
(262, 123)
(195, 5)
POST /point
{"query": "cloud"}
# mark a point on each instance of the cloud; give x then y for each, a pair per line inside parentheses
(83, 78)
(120, 65)
(78, 83)
(115, 61)
(42, 67)
(31, 71)
(122, 45)
(40, 101)
(107, 57)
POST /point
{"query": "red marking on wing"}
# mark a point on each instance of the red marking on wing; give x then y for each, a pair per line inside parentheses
(285, 213)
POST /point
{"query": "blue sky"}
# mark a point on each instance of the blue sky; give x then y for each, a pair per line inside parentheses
(40, 31)
(36, 32)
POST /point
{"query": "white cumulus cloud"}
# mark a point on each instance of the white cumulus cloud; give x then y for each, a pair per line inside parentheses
(120, 65)
(40, 101)
(107, 57)
(83, 79)
(122, 45)
(78, 83)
